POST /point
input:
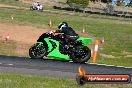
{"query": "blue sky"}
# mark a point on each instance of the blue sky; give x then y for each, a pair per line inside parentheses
(126, 1)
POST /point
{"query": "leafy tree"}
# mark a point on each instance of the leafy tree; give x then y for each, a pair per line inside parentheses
(120, 3)
(129, 4)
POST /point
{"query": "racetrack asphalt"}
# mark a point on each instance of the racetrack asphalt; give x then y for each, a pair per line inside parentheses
(24, 65)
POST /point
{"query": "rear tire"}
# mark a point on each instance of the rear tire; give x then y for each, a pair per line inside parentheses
(37, 52)
(82, 58)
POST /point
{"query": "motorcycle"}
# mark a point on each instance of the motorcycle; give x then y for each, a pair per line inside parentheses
(39, 8)
(53, 46)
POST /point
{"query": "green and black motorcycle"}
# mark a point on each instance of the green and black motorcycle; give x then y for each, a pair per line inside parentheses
(52, 46)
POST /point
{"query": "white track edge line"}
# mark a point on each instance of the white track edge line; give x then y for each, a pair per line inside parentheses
(110, 65)
(10, 64)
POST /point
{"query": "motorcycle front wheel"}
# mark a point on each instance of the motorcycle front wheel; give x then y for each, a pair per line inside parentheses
(31, 8)
(37, 52)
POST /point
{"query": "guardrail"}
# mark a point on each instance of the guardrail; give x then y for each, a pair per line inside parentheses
(101, 11)
(116, 13)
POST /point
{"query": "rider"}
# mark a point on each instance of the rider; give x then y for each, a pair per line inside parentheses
(35, 4)
(69, 34)
(39, 6)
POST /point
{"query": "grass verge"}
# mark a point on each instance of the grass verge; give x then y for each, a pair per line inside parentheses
(7, 48)
(29, 81)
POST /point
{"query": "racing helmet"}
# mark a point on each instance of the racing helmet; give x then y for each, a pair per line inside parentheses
(62, 24)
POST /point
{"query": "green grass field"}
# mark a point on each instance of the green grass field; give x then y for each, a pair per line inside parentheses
(7, 48)
(118, 38)
(61, 0)
(28, 81)
(117, 33)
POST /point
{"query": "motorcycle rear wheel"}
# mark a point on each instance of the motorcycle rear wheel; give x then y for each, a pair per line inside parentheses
(84, 57)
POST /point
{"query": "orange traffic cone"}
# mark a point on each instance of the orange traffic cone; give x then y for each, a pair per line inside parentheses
(83, 30)
(50, 23)
(95, 50)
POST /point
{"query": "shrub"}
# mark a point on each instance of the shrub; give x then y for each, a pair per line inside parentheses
(78, 3)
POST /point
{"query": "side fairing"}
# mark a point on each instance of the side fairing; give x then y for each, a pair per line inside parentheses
(53, 50)
(85, 41)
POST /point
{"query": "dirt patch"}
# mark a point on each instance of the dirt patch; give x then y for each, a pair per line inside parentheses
(125, 52)
(24, 36)
(8, 6)
(19, 33)
(128, 56)
(12, 7)
(108, 56)
(17, 7)
(45, 2)
(26, 1)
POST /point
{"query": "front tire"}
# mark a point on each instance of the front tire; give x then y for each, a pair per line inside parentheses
(31, 8)
(37, 52)
(81, 56)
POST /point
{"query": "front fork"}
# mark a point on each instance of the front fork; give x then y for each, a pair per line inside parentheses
(39, 43)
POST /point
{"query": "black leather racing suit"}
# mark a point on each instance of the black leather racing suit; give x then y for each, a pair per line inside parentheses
(69, 34)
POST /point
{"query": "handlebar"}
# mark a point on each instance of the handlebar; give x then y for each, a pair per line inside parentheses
(53, 32)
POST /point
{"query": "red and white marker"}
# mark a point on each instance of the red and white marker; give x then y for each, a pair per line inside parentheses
(91, 52)
(7, 37)
(83, 30)
(103, 40)
(50, 23)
